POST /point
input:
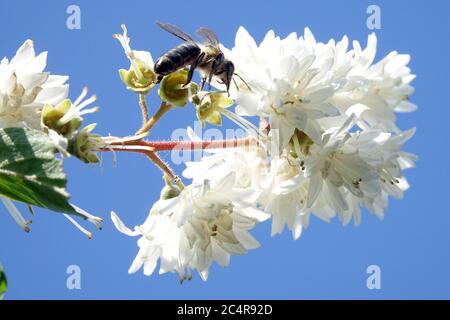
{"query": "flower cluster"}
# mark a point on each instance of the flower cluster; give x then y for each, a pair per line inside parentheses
(35, 99)
(328, 145)
(206, 221)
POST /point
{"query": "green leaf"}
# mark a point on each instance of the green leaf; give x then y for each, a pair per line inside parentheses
(30, 171)
(3, 282)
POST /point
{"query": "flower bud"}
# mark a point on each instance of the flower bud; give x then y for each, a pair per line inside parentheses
(169, 191)
(208, 106)
(172, 88)
(85, 144)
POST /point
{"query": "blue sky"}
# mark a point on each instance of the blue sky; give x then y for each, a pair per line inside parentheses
(328, 261)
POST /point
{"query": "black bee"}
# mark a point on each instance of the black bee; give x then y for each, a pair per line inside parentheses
(207, 57)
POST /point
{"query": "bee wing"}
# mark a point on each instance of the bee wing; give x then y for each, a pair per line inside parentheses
(208, 36)
(177, 32)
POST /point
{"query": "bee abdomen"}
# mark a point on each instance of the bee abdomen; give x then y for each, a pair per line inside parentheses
(176, 58)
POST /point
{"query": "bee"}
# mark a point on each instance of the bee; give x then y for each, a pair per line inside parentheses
(206, 57)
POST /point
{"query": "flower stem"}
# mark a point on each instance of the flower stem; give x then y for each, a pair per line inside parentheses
(149, 149)
(163, 109)
(150, 154)
(144, 109)
(156, 146)
(168, 172)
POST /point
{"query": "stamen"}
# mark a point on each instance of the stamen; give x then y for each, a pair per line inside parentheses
(90, 110)
(89, 217)
(83, 94)
(86, 102)
(245, 124)
(298, 148)
(182, 278)
(83, 230)
(76, 109)
(17, 216)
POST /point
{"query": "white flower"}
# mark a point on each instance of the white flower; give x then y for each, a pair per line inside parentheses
(289, 84)
(285, 194)
(354, 169)
(140, 77)
(299, 83)
(336, 164)
(268, 182)
(383, 87)
(249, 164)
(335, 56)
(205, 222)
(75, 110)
(383, 151)
(135, 56)
(25, 88)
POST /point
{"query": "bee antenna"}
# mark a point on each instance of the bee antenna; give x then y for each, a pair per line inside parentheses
(246, 84)
(237, 87)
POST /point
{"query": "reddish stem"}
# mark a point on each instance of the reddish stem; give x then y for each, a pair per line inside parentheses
(186, 145)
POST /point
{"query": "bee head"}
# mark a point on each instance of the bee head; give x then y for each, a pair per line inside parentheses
(225, 74)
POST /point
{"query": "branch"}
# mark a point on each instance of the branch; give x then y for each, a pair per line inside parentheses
(157, 146)
(144, 109)
(151, 155)
(163, 109)
(150, 149)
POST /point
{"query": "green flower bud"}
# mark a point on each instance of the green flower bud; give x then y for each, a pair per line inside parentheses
(169, 192)
(208, 107)
(142, 82)
(51, 115)
(85, 144)
(172, 88)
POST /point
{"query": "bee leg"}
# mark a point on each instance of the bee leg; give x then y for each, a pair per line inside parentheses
(213, 70)
(159, 78)
(193, 67)
(202, 84)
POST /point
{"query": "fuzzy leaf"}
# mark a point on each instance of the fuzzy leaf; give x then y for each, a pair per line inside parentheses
(30, 171)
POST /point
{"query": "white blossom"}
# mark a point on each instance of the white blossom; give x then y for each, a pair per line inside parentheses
(288, 81)
(25, 88)
(206, 222)
(330, 111)
(285, 194)
(383, 87)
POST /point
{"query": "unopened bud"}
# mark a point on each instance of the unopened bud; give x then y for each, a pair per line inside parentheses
(208, 106)
(169, 192)
(85, 144)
